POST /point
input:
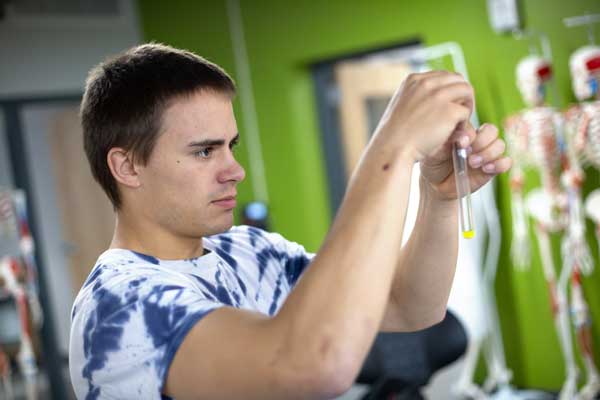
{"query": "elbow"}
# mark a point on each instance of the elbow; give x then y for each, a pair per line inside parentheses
(323, 378)
(438, 317)
(434, 319)
(336, 379)
(324, 381)
(421, 323)
(442, 315)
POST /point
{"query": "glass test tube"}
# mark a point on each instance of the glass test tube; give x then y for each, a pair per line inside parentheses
(463, 190)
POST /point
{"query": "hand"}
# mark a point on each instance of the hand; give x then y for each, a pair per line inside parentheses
(423, 113)
(486, 160)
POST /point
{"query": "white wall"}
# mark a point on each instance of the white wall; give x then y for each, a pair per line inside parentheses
(43, 58)
(53, 55)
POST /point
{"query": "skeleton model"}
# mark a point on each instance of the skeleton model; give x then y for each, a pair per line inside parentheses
(582, 134)
(535, 141)
(592, 209)
(497, 385)
(583, 120)
(9, 272)
(18, 277)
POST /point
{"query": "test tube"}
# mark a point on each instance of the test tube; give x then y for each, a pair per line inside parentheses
(463, 190)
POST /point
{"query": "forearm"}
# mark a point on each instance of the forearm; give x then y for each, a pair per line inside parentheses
(426, 266)
(335, 310)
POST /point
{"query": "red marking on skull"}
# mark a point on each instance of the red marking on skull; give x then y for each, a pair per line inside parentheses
(544, 72)
(593, 64)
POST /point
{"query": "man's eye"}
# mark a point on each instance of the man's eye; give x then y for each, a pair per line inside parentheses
(204, 153)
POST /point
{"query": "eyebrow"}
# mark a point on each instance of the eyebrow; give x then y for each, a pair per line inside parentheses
(213, 142)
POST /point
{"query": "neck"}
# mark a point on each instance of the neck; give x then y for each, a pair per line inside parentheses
(146, 237)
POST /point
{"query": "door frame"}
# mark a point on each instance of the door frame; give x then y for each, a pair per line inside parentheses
(327, 100)
(53, 361)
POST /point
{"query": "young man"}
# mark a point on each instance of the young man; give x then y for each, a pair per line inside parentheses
(183, 305)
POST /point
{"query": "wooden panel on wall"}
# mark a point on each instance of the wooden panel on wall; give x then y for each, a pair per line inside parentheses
(87, 215)
(358, 82)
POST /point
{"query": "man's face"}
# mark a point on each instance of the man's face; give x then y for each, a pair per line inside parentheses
(188, 186)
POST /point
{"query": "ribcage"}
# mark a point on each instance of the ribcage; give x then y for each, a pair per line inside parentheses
(591, 153)
(543, 144)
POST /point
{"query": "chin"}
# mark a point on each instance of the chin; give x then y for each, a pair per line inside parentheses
(220, 226)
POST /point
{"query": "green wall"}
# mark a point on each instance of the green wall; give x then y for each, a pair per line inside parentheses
(284, 37)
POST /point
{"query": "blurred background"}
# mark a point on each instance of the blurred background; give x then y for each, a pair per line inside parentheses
(313, 79)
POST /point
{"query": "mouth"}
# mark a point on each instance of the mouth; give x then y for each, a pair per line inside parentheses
(227, 202)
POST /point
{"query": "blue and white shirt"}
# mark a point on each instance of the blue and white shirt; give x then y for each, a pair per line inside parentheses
(134, 310)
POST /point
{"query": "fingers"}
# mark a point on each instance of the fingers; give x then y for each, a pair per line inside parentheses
(486, 135)
(463, 135)
(459, 114)
(488, 151)
(457, 92)
(448, 87)
(428, 108)
(435, 81)
(443, 87)
(417, 77)
(480, 177)
(497, 166)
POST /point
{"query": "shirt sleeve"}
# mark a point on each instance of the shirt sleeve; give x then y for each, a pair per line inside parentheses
(126, 339)
(294, 258)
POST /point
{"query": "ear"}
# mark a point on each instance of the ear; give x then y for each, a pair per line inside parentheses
(122, 167)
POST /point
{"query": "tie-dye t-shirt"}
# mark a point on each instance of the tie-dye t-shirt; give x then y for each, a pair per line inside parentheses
(134, 310)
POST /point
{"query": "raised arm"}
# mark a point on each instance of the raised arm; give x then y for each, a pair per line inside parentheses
(315, 346)
(426, 266)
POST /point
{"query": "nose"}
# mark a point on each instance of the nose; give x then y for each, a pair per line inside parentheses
(234, 172)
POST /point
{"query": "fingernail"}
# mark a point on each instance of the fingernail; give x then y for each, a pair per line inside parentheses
(475, 161)
(489, 168)
(464, 141)
(482, 127)
(469, 149)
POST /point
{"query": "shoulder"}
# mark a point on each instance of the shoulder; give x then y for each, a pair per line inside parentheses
(118, 265)
(123, 274)
(256, 244)
(128, 321)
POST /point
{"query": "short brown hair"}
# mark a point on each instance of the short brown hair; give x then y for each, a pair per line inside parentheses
(126, 96)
